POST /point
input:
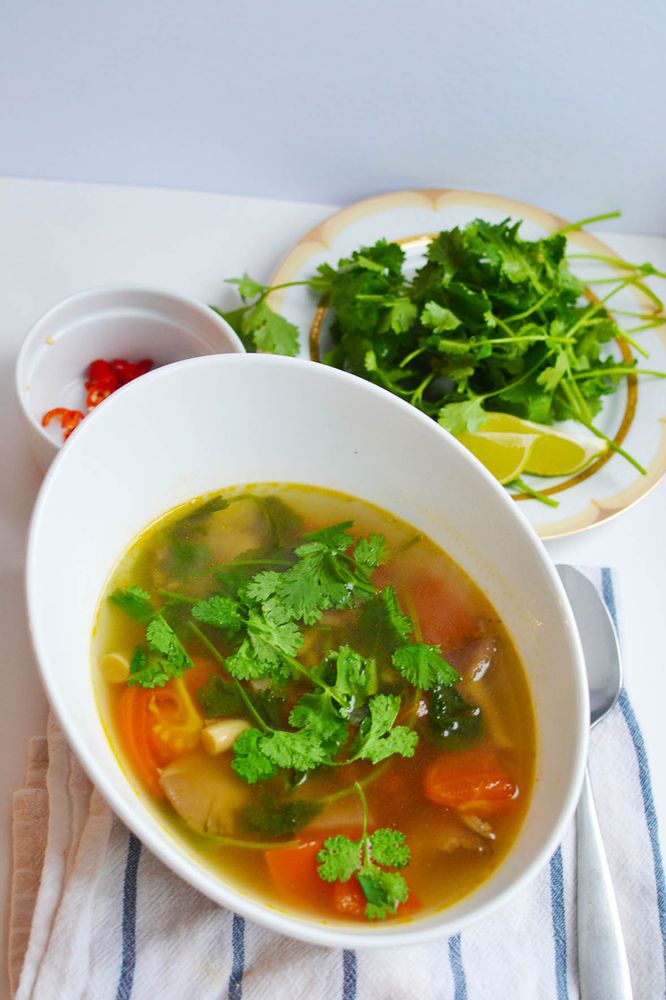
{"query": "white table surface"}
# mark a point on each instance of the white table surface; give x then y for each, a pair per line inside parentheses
(58, 238)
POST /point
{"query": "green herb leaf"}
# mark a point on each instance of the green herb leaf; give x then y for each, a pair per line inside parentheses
(384, 891)
(247, 287)
(378, 737)
(424, 666)
(338, 859)
(389, 848)
(268, 331)
(280, 819)
(162, 639)
(452, 722)
(250, 762)
(219, 698)
(460, 417)
(221, 612)
(135, 602)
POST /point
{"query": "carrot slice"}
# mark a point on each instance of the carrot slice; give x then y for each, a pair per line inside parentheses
(470, 781)
(294, 874)
(348, 898)
(134, 724)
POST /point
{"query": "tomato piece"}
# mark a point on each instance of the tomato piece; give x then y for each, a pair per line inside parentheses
(444, 617)
(470, 781)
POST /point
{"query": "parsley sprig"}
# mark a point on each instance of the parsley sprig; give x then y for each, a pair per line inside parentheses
(342, 858)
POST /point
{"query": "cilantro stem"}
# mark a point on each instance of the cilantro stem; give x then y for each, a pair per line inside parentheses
(217, 656)
(646, 269)
(410, 357)
(624, 335)
(375, 773)
(253, 562)
(364, 805)
(611, 444)
(617, 370)
(533, 308)
(175, 596)
(521, 485)
(572, 226)
(256, 845)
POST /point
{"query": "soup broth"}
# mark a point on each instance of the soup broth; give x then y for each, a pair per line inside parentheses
(285, 671)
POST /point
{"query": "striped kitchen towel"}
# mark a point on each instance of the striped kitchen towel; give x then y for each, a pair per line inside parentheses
(96, 917)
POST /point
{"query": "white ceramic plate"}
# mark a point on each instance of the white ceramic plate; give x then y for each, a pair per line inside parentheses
(634, 416)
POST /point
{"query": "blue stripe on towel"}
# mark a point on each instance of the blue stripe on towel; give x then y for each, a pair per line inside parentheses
(559, 924)
(238, 958)
(643, 774)
(457, 969)
(128, 962)
(349, 975)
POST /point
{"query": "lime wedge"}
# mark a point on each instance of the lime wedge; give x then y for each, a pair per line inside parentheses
(552, 453)
(505, 455)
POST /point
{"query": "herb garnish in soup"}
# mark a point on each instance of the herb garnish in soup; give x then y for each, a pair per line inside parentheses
(318, 701)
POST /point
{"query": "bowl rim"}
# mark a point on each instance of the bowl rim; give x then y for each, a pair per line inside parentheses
(136, 817)
(33, 337)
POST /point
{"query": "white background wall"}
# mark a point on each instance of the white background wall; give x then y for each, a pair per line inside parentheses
(561, 103)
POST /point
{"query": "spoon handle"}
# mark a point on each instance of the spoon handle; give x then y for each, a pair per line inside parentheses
(602, 959)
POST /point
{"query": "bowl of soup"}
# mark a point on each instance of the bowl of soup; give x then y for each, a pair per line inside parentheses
(308, 649)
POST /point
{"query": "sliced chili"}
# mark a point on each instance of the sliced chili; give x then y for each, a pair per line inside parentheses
(69, 419)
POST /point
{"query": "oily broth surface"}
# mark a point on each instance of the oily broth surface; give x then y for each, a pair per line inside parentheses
(437, 877)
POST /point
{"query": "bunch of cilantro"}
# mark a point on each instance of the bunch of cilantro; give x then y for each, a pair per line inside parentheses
(490, 322)
(342, 717)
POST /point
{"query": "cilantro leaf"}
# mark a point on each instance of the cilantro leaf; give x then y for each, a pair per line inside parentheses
(221, 612)
(219, 698)
(301, 750)
(459, 417)
(135, 602)
(370, 552)
(315, 713)
(250, 762)
(339, 858)
(268, 331)
(378, 737)
(384, 891)
(162, 639)
(247, 287)
(438, 318)
(271, 638)
(452, 722)
(423, 666)
(245, 665)
(389, 848)
(280, 818)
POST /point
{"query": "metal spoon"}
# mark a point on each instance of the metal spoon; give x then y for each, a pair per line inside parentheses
(602, 959)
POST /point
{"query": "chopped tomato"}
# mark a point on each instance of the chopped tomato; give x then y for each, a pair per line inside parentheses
(470, 781)
(445, 618)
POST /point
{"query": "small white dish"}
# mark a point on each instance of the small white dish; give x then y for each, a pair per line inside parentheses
(115, 322)
(210, 423)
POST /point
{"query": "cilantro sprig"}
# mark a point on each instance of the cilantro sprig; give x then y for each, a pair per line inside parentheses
(367, 859)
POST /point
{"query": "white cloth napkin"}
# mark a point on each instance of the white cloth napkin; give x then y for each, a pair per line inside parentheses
(95, 916)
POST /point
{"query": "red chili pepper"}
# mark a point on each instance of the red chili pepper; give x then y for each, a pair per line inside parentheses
(101, 372)
(96, 394)
(69, 419)
(104, 377)
(126, 371)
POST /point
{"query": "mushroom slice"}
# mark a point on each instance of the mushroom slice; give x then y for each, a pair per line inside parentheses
(205, 792)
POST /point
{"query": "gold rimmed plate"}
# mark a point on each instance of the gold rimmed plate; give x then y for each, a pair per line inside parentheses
(634, 416)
